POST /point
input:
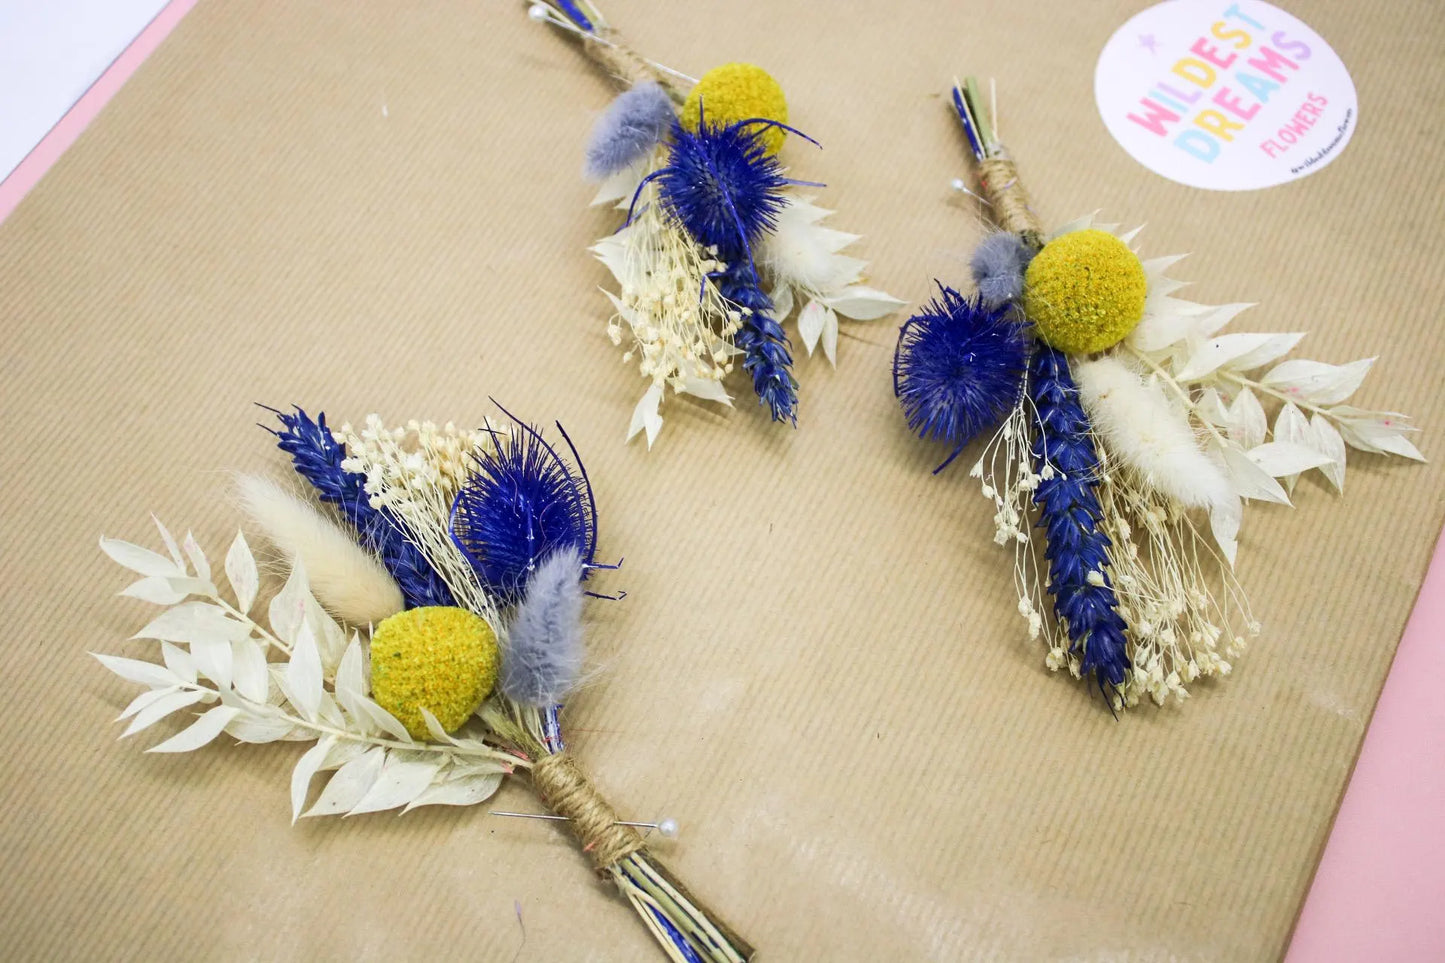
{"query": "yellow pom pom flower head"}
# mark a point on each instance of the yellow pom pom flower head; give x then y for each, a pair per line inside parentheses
(735, 92)
(1084, 291)
(442, 658)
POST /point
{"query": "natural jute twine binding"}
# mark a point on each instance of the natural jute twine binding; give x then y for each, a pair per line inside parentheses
(1005, 192)
(568, 793)
(627, 66)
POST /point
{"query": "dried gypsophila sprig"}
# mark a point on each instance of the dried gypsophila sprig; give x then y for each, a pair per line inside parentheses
(705, 195)
(214, 653)
(1127, 440)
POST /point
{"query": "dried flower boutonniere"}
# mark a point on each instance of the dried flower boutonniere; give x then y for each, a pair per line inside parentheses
(423, 643)
(1126, 425)
(716, 252)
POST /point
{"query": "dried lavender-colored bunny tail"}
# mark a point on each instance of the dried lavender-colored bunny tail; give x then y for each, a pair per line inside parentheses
(631, 126)
(998, 266)
(543, 657)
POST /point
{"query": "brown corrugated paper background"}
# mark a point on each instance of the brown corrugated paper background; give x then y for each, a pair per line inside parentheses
(817, 670)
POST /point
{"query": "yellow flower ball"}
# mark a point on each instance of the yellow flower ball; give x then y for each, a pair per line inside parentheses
(1084, 291)
(735, 92)
(440, 657)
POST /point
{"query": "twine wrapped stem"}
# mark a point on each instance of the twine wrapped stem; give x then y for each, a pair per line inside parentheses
(567, 792)
(1010, 201)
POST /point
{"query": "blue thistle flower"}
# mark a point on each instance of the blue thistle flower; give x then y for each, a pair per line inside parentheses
(721, 184)
(316, 455)
(522, 503)
(958, 367)
(1069, 513)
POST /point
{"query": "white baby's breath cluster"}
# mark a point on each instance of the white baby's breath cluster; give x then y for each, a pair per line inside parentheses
(669, 316)
(213, 653)
(1008, 480)
(413, 472)
(1162, 570)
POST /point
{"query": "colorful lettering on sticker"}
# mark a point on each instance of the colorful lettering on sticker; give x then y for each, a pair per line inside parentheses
(1213, 92)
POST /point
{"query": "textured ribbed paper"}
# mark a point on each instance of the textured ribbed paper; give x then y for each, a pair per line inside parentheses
(817, 669)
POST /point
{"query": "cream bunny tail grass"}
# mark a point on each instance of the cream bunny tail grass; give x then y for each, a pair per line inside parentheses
(347, 579)
(1149, 434)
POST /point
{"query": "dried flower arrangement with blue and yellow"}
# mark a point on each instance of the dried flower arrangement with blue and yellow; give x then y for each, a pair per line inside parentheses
(716, 253)
(425, 639)
(1127, 432)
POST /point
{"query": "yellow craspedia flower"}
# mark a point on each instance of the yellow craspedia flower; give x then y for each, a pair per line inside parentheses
(440, 657)
(735, 92)
(1084, 291)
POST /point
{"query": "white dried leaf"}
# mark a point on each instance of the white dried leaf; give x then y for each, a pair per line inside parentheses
(351, 674)
(241, 573)
(1327, 440)
(179, 661)
(1214, 319)
(1317, 382)
(169, 541)
(249, 674)
(302, 681)
(306, 768)
(782, 298)
(1224, 522)
(434, 727)
(287, 612)
(1237, 352)
(154, 589)
(350, 784)
(135, 670)
(145, 699)
(198, 558)
(1250, 480)
(200, 732)
(1247, 422)
(343, 752)
(368, 711)
(465, 790)
(706, 389)
(830, 337)
(810, 323)
(862, 303)
(213, 660)
(1282, 458)
(1382, 435)
(404, 777)
(260, 728)
(1211, 409)
(645, 416)
(193, 622)
(1291, 426)
(156, 711)
(141, 560)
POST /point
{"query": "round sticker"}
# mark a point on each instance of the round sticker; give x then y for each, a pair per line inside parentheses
(1225, 96)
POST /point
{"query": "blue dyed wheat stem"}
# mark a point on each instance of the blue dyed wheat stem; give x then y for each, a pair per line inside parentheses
(1077, 548)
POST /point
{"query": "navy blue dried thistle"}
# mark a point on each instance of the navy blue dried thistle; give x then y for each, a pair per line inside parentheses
(726, 190)
(958, 367)
(1069, 514)
(317, 455)
(521, 503)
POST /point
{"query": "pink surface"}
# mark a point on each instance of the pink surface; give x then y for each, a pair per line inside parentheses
(64, 133)
(1380, 884)
(1378, 890)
